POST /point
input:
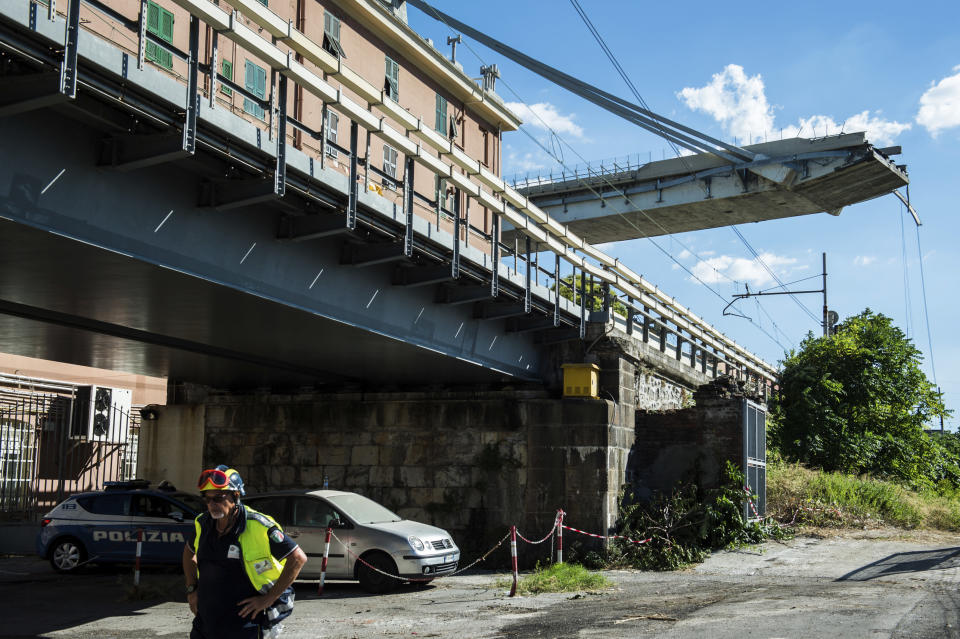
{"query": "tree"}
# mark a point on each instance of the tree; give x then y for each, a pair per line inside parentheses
(857, 402)
(570, 289)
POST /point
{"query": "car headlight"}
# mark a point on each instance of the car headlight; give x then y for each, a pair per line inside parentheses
(415, 542)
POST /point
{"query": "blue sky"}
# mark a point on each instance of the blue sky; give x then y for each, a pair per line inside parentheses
(733, 71)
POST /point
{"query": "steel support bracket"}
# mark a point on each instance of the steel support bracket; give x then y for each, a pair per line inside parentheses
(408, 207)
(528, 282)
(193, 89)
(352, 199)
(495, 257)
(280, 171)
(457, 223)
(71, 49)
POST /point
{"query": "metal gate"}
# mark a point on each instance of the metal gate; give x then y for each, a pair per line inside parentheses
(755, 458)
(58, 439)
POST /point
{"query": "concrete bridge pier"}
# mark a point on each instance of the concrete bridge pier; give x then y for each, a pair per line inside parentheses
(474, 463)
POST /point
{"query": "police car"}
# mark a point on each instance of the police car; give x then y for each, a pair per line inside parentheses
(103, 526)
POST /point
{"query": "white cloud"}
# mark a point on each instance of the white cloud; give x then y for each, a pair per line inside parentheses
(725, 267)
(734, 100)
(544, 115)
(864, 260)
(940, 105)
(684, 254)
(739, 103)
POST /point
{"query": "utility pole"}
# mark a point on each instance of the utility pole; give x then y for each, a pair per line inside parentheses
(826, 320)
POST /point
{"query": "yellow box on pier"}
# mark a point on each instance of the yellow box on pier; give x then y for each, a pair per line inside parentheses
(580, 380)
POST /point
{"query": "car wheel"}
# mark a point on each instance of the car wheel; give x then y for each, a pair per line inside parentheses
(67, 555)
(373, 581)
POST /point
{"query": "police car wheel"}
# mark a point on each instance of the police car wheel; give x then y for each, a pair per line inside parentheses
(67, 555)
(373, 581)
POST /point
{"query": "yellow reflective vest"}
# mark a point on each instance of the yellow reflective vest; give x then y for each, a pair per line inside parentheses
(262, 568)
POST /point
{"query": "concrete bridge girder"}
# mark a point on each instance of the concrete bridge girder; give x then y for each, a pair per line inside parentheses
(790, 178)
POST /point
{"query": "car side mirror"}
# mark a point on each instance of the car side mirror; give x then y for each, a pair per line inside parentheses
(176, 515)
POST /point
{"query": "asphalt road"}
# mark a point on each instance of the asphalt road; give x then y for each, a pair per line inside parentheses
(807, 587)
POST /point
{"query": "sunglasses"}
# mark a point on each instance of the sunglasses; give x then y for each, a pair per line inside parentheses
(217, 498)
(216, 478)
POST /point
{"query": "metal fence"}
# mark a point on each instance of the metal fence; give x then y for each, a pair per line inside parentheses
(56, 440)
(755, 457)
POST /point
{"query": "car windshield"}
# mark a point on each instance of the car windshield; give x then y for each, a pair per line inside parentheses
(363, 510)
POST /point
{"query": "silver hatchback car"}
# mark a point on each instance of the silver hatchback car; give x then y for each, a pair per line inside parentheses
(364, 529)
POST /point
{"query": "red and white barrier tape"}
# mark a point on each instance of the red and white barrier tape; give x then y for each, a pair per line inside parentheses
(747, 490)
(399, 578)
(549, 534)
(583, 532)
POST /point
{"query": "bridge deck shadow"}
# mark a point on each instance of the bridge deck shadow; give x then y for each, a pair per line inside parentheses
(906, 562)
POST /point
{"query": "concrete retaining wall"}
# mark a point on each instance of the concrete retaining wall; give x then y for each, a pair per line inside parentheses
(474, 464)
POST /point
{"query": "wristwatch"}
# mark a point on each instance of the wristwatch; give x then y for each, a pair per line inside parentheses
(191, 588)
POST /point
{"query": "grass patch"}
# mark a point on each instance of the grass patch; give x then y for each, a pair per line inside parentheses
(801, 496)
(558, 578)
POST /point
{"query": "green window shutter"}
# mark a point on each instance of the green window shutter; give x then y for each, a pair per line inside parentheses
(166, 25)
(159, 23)
(254, 81)
(151, 50)
(153, 18)
(226, 71)
(261, 82)
(392, 72)
(440, 124)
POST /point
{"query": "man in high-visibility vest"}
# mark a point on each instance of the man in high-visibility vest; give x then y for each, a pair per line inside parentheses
(239, 565)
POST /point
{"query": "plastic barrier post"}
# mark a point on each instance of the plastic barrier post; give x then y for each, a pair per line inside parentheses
(513, 559)
(323, 564)
(136, 566)
(560, 514)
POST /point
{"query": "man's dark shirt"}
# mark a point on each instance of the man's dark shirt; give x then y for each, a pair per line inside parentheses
(223, 580)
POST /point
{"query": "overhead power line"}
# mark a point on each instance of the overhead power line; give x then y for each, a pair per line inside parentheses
(524, 60)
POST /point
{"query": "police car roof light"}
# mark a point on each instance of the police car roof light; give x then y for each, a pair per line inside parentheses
(130, 484)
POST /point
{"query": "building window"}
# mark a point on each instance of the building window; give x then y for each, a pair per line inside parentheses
(264, 3)
(331, 35)
(226, 70)
(392, 82)
(255, 81)
(160, 24)
(444, 201)
(441, 121)
(333, 121)
(390, 166)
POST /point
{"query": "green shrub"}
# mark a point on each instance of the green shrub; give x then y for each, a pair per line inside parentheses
(685, 525)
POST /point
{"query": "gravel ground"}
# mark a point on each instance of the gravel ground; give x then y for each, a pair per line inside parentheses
(864, 584)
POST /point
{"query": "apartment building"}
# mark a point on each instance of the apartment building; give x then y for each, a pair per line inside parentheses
(363, 44)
